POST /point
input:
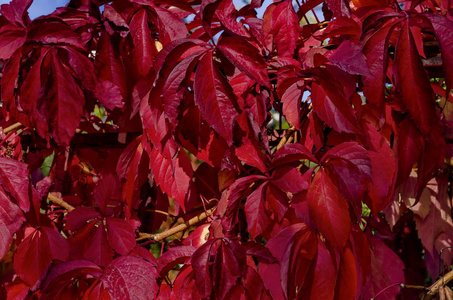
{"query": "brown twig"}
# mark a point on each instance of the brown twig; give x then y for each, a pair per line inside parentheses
(181, 227)
(288, 138)
(434, 288)
(12, 127)
(60, 202)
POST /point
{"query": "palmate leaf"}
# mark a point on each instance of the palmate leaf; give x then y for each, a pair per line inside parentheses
(37, 250)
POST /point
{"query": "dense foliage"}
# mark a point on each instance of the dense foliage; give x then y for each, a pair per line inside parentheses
(190, 149)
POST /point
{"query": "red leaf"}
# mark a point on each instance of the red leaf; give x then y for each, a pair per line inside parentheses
(144, 45)
(78, 217)
(11, 38)
(351, 168)
(256, 213)
(132, 164)
(36, 251)
(171, 27)
(347, 281)
(129, 277)
(52, 31)
(228, 15)
(375, 51)
(215, 98)
(349, 57)
(325, 274)
(289, 179)
(290, 153)
(408, 68)
(328, 209)
(120, 234)
(16, 12)
(61, 277)
(386, 269)
(111, 70)
(282, 24)
(245, 57)
(333, 108)
(217, 265)
(91, 243)
(409, 146)
(176, 85)
(291, 99)
(383, 171)
(14, 180)
(62, 105)
(174, 256)
(173, 176)
(294, 247)
(442, 28)
(11, 219)
(339, 8)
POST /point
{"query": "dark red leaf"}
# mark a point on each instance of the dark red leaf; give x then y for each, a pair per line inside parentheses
(228, 15)
(349, 57)
(36, 251)
(144, 45)
(245, 57)
(11, 219)
(174, 256)
(292, 98)
(383, 171)
(282, 25)
(78, 217)
(323, 285)
(129, 277)
(294, 247)
(328, 209)
(386, 269)
(11, 38)
(256, 212)
(14, 180)
(176, 85)
(61, 276)
(442, 28)
(408, 68)
(409, 146)
(333, 108)
(132, 165)
(173, 176)
(289, 179)
(16, 12)
(120, 234)
(215, 98)
(217, 265)
(290, 153)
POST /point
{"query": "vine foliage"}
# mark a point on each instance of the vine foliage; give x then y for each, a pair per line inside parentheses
(193, 149)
